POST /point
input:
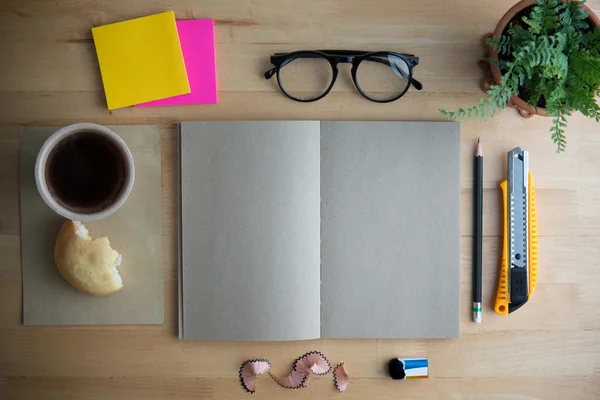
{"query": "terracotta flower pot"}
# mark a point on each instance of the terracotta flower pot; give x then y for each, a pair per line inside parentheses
(521, 105)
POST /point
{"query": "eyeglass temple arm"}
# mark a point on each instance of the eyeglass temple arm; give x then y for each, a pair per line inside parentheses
(418, 85)
(269, 74)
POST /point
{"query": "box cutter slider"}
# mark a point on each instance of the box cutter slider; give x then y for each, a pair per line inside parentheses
(519, 268)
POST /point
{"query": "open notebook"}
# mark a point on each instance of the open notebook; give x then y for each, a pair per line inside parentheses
(305, 229)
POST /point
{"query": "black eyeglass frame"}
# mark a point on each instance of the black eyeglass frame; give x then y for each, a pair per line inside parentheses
(335, 57)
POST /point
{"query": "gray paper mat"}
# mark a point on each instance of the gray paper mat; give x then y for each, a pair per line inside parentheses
(135, 231)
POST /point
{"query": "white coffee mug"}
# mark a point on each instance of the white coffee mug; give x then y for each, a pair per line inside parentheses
(98, 137)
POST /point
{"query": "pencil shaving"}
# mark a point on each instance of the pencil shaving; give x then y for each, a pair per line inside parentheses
(249, 371)
(314, 362)
(340, 378)
(294, 380)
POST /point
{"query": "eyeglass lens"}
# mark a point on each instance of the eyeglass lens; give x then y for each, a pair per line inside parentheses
(383, 77)
(305, 78)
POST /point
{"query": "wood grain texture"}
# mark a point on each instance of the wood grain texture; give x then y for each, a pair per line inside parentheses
(549, 349)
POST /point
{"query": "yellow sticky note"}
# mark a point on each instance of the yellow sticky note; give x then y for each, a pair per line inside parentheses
(140, 60)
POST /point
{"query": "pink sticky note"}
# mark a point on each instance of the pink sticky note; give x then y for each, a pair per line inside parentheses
(197, 39)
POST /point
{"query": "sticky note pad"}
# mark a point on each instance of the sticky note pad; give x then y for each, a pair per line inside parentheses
(197, 39)
(140, 60)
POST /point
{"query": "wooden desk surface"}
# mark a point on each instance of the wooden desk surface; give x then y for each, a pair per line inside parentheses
(550, 349)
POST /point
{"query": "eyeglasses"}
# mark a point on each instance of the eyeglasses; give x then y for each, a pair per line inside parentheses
(380, 76)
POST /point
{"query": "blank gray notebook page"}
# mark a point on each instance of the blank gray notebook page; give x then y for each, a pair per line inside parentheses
(390, 229)
(250, 225)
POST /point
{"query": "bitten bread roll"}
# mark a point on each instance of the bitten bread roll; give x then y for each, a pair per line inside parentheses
(90, 266)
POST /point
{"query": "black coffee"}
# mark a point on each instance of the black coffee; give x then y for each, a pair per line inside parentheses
(85, 172)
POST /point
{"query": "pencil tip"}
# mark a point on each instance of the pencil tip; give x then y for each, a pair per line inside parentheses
(478, 150)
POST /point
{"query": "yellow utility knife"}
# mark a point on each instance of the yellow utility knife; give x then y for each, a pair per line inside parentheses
(519, 268)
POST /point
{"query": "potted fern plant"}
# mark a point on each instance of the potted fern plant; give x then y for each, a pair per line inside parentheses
(545, 60)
